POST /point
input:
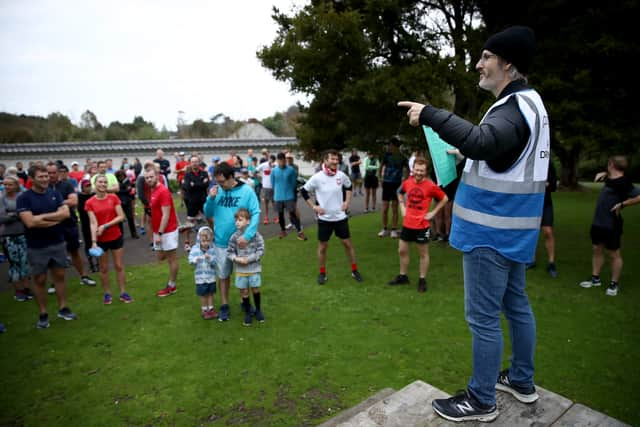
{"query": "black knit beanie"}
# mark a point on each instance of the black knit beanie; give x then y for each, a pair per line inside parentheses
(515, 45)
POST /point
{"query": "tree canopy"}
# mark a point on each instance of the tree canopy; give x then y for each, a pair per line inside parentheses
(356, 58)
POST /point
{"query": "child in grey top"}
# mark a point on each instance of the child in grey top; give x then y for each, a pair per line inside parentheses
(248, 267)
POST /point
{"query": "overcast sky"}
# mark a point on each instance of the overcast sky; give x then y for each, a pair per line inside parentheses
(153, 58)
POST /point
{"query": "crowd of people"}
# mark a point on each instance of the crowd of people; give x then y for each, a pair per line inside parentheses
(492, 213)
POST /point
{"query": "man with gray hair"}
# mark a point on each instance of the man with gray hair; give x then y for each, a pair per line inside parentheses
(496, 220)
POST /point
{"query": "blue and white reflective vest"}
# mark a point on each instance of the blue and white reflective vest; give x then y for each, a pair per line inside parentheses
(503, 210)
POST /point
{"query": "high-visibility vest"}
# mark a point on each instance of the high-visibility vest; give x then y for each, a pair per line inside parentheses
(503, 210)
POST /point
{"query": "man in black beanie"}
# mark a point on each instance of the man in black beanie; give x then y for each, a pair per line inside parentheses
(496, 220)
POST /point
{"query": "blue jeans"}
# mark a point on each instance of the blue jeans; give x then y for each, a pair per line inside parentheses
(494, 284)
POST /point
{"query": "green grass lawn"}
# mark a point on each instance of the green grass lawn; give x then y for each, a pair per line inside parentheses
(322, 348)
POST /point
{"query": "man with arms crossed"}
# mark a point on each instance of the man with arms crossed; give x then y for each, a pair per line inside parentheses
(496, 220)
(42, 209)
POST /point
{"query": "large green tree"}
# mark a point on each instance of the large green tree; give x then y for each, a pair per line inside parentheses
(357, 58)
(583, 71)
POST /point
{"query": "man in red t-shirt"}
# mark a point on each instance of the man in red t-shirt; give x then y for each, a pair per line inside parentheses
(164, 224)
(75, 172)
(419, 191)
(181, 167)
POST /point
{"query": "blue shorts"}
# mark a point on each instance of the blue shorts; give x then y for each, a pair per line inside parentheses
(244, 282)
(204, 289)
(224, 266)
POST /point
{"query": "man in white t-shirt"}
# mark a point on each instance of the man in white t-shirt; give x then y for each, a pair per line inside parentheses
(264, 171)
(327, 185)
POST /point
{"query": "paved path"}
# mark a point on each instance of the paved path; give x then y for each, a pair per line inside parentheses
(138, 252)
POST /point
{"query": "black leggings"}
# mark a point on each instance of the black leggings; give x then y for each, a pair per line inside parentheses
(128, 213)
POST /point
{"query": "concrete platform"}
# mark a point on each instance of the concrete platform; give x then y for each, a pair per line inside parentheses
(411, 407)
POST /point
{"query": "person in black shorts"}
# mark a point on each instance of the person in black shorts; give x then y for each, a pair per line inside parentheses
(194, 188)
(547, 223)
(69, 225)
(394, 167)
(606, 229)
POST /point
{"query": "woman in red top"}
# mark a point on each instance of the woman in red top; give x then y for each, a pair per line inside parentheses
(105, 213)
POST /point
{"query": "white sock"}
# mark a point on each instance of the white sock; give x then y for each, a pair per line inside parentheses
(171, 284)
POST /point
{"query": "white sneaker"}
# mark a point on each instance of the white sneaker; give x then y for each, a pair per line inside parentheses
(589, 283)
(395, 234)
(383, 233)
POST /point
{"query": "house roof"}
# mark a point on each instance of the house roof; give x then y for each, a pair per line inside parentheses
(77, 147)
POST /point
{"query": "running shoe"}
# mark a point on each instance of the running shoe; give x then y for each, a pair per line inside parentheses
(356, 276)
(143, 231)
(166, 291)
(400, 279)
(464, 407)
(612, 290)
(282, 234)
(322, 278)
(20, 296)
(247, 319)
(383, 233)
(87, 281)
(224, 313)
(523, 394)
(301, 236)
(395, 234)
(66, 314)
(43, 321)
(107, 300)
(126, 298)
(259, 316)
(422, 285)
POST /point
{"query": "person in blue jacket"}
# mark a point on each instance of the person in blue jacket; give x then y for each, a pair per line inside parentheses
(284, 180)
(225, 198)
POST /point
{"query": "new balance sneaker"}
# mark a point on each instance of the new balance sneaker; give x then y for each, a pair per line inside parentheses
(400, 279)
(20, 296)
(612, 290)
(590, 283)
(126, 298)
(247, 319)
(259, 316)
(322, 278)
(395, 234)
(107, 300)
(166, 291)
(301, 236)
(523, 394)
(224, 313)
(551, 269)
(356, 276)
(383, 233)
(422, 285)
(43, 321)
(87, 281)
(67, 314)
(464, 407)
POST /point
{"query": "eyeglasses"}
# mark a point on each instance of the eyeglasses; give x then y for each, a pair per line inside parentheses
(487, 56)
